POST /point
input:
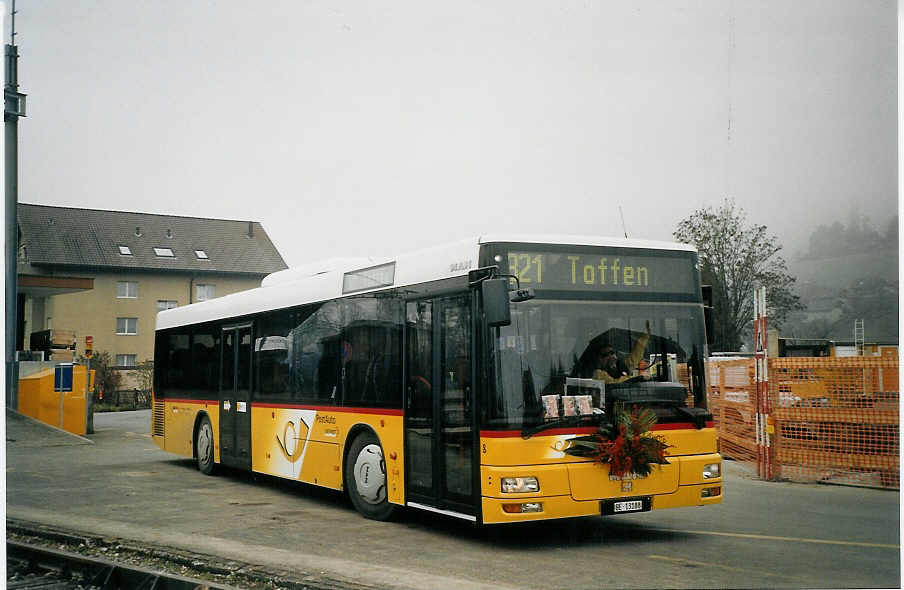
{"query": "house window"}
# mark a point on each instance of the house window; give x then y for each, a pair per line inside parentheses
(125, 360)
(201, 254)
(125, 251)
(126, 326)
(164, 252)
(126, 289)
(163, 304)
(205, 292)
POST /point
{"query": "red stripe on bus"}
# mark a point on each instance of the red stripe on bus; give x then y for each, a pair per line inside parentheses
(380, 411)
(550, 432)
(681, 426)
(344, 409)
(190, 401)
(582, 430)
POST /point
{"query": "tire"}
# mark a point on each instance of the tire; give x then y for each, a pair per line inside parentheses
(204, 447)
(365, 478)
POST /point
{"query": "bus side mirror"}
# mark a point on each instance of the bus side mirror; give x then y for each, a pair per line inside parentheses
(496, 306)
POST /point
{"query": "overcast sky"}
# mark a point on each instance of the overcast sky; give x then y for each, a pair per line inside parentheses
(352, 128)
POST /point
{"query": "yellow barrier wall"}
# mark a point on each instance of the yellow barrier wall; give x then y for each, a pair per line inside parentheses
(38, 400)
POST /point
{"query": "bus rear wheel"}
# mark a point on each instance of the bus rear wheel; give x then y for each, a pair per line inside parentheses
(365, 478)
(204, 446)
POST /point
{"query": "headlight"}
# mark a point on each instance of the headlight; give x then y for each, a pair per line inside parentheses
(712, 470)
(520, 485)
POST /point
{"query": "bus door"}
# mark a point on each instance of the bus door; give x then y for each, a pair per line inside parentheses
(235, 397)
(439, 431)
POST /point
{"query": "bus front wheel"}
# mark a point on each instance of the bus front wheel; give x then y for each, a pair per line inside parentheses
(204, 446)
(365, 478)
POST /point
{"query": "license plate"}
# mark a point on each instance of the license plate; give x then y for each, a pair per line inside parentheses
(626, 505)
(629, 506)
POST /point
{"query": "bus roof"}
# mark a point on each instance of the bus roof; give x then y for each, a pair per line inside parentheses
(322, 281)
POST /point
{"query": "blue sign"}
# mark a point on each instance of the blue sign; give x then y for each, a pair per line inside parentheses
(62, 378)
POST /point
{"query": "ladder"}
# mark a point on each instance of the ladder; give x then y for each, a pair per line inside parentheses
(859, 336)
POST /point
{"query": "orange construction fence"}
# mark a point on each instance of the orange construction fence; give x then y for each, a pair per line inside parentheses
(833, 419)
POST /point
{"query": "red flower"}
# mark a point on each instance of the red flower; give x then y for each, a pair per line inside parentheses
(624, 443)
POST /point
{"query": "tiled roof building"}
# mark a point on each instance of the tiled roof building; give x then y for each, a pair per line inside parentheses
(105, 274)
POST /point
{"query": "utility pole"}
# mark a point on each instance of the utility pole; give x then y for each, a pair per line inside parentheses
(765, 427)
(13, 108)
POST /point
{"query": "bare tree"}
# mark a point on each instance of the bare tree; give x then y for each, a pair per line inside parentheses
(106, 379)
(735, 258)
(144, 375)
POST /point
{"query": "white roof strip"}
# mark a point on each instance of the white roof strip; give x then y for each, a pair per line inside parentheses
(323, 280)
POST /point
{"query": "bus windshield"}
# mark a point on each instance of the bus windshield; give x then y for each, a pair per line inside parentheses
(601, 349)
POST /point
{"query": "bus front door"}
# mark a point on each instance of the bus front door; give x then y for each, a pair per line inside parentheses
(235, 402)
(439, 432)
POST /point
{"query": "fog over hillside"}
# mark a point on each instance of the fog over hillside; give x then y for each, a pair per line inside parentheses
(848, 270)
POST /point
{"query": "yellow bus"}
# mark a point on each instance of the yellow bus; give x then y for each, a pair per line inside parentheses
(450, 379)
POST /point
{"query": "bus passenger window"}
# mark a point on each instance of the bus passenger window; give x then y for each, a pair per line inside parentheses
(314, 351)
(372, 349)
(271, 356)
(205, 359)
(178, 365)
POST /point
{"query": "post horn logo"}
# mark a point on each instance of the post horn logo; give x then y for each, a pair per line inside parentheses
(289, 445)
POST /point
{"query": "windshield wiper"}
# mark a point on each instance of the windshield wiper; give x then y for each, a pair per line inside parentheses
(561, 422)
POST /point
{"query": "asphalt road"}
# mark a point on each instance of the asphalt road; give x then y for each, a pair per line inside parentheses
(765, 534)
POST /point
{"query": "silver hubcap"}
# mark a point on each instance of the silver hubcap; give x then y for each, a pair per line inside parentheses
(204, 446)
(370, 474)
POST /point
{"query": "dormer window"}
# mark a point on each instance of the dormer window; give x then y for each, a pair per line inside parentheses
(201, 254)
(125, 251)
(164, 252)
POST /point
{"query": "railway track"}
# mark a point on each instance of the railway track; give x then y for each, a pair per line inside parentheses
(33, 567)
(52, 558)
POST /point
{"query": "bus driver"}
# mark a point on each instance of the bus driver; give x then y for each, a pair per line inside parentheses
(614, 369)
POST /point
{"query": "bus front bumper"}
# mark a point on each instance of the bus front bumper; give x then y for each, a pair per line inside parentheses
(690, 489)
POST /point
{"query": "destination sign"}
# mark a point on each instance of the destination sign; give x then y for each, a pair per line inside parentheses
(604, 272)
